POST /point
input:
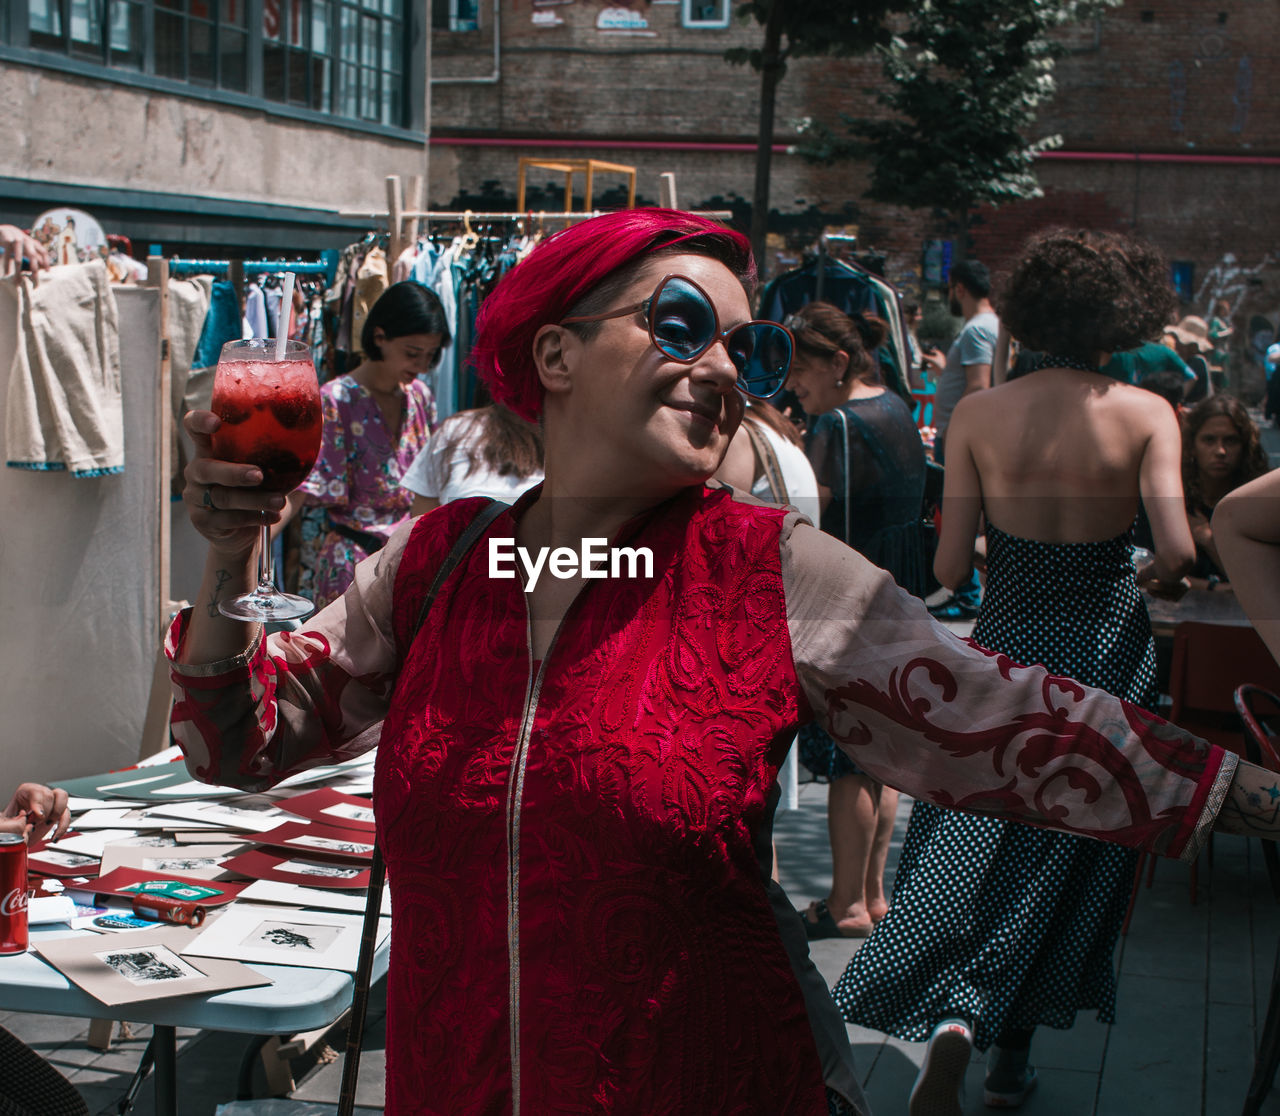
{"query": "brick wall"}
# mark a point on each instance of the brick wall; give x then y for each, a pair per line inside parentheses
(1157, 77)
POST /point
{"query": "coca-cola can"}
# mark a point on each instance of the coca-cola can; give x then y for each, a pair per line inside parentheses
(13, 893)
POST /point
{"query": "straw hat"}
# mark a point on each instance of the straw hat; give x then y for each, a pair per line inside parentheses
(1192, 331)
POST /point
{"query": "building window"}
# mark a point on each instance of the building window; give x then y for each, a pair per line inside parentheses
(455, 15)
(344, 58)
(695, 13)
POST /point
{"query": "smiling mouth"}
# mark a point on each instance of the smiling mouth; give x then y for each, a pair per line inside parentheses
(708, 417)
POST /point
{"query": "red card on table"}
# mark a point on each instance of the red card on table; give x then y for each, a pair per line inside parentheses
(326, 841)
(346, 811)
(58, 862)
(128, 882)
(301, 868)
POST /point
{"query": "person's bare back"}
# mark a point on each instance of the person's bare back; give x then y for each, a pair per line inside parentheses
(1059, 452)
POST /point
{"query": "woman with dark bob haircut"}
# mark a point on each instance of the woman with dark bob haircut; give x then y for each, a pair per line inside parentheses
(996, 927)
(376, 420)
(578, 751)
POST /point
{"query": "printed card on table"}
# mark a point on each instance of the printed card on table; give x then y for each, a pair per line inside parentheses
(62, 863)
(323, 840)
(299, 868)
(332, 807)
(144, 966)
(255, 813)
(201, 862)
(129, 882)
(293, 895)
(284, 936)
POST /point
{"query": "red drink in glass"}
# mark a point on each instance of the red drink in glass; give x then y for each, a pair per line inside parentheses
(266, 394)
(270, 412)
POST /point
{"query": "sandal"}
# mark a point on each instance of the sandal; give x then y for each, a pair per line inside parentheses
(824, 926)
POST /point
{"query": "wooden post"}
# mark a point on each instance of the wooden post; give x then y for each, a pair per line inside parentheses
(155, 728)
(414, 201)
(667, 190)
(395, 210)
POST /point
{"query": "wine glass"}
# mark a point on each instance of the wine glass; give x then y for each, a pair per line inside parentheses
(269, 404)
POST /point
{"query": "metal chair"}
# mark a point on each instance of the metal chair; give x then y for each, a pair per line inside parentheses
(1209, 662)
(1260, 713)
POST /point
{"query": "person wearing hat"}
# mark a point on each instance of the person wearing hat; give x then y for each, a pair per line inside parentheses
(1191, 342)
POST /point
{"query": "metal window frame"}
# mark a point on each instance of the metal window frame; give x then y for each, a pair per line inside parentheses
(687, 18)
(411, 23)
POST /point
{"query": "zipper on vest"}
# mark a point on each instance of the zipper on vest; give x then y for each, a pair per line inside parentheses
(515, 795)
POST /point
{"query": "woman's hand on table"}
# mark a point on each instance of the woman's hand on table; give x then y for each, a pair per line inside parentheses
(34, 810)
(223, 498)
(1164, 590)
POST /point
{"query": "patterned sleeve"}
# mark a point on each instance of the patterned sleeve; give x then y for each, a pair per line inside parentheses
(296, 699)
(950, 722)
(326, 485)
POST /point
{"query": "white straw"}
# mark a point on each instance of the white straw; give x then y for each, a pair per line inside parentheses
(285, 317)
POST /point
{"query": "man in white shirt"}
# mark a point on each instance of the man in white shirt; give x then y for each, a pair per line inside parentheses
(967, 365)
(965, 369)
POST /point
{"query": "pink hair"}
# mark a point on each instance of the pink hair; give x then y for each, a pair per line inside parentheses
(563, 270)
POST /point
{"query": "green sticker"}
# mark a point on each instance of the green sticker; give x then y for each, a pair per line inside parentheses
(172, 889)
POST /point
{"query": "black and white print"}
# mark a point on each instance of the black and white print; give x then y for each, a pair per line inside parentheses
(149, 965)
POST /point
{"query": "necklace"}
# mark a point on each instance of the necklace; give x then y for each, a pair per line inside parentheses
(1052, 360)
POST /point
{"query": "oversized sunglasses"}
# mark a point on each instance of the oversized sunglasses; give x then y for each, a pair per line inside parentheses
(683, 325)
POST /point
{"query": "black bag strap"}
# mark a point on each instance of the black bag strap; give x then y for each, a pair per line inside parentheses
(377, 869)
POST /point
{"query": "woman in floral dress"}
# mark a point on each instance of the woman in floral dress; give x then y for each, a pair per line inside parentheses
(376, 419)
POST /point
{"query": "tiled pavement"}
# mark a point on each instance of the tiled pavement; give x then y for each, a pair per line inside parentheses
(1194, 982)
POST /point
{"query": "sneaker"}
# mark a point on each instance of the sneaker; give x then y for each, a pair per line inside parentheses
(939, 1088)
(1010, 1080)
(953, 608)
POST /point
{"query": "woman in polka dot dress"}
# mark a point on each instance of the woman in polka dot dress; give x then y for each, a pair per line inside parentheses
(997, 927)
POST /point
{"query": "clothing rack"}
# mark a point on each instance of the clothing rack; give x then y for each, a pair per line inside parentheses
(402, 220)
(236, 270)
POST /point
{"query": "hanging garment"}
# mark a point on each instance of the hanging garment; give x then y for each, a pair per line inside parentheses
(853, 290)
(372, 280)
(189, 301)
(255, 311)
(222, 324)
(63, 408)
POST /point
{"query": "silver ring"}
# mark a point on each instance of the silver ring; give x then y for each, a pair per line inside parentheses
(208, 499)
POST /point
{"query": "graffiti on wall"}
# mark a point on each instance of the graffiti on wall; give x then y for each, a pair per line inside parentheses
(1229, 280)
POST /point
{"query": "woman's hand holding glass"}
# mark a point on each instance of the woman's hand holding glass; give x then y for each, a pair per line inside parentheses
(225, 499)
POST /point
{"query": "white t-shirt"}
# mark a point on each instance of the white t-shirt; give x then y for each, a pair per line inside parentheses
(797, 475)
(456, 478)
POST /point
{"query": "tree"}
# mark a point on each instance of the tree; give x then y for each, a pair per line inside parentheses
(965, 79)
(793, 29)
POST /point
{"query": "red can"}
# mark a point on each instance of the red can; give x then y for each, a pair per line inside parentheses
(13, 893)
(160, 908)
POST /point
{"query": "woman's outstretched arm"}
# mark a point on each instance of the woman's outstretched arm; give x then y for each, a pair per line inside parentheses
(1246, 525)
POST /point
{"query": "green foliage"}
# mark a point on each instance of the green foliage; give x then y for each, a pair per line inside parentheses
(811, 27)
(965, 79)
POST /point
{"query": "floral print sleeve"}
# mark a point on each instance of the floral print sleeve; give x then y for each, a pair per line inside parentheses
(296, 699)
(947, 721)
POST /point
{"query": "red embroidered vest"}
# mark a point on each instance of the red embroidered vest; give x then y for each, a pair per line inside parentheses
(601, 825)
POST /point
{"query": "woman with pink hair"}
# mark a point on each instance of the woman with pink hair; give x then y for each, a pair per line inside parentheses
(576, 771)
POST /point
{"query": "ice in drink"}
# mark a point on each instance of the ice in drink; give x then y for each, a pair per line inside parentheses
(271, 418)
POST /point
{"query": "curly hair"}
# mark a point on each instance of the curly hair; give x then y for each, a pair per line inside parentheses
(580, 271)
(823, 330)
(1076, 293)
(1253, 458)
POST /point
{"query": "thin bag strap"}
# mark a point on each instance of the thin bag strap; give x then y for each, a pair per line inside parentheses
(768, 462)
(377, 869)
(844, 428)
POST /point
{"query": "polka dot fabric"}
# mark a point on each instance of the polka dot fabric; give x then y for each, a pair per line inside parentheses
(996, 922)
